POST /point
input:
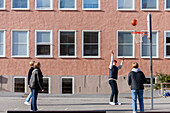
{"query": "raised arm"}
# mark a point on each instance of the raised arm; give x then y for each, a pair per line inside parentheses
(121, 64)
(111, 62)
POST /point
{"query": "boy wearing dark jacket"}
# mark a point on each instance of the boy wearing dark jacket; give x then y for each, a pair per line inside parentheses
(136, 79)
(36, 83)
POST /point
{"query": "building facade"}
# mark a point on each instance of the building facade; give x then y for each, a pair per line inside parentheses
(73, 39)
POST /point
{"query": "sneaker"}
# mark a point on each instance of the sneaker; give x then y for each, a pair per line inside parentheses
(117, 103)
(112, 103)
(26, 103)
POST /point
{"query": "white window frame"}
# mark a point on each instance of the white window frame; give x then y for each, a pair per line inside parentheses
(133, 7)
(50, 8)
(157, 48)
(133, 52)
(51, 44)
(75, 50)
(49, 84)
(165, 56)
(20, 8)
(19, 56)
(157, 6)
(4, 43)
(67, 8)
(14, 83)
(90, 8)
(4, 5)
(167, 9)
(98, 43)
(72, 85)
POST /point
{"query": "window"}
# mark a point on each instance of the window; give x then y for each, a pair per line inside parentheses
(2, 4)
(43, 43)
(125, 4)
(46, 85)
(91, 44)
(20, 43)
(20, 4)
(19, 84)
(43, 4)
(145, 49)
(125, 47)
(2, 43)
(67, 44)
(149, 4)
(67, 4)
(167, 44)
(91, 4)
(167, 5)
(67, 85)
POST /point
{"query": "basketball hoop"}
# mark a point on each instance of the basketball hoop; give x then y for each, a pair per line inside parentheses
(138, 36)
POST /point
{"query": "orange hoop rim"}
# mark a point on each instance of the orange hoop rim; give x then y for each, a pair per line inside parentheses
(143, 33)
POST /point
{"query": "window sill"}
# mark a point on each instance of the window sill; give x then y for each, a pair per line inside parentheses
(96, 57)
(67, 56)
(65, 9)
(39, 9)
(43, 56)
(167, 9)
(2, 9)
(126, 57)
(149, 57)
(126, 10)
(22, 9)
(167, 57)
(91, 9)
(150, 9)
(20, 56)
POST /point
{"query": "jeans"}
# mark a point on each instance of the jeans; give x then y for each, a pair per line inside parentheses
(29, 97)
(114, 93)
(34, 99)
(134, 94)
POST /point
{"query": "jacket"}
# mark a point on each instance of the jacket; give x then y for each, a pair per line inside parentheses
(36, 80)
(136, 79)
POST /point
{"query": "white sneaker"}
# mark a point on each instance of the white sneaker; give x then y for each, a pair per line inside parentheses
(26, 103)
(112, 103)
(117, 103)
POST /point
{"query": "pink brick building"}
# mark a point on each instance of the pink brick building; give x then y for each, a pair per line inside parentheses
(73, 39)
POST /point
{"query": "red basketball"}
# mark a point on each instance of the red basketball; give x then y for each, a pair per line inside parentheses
(134, 22)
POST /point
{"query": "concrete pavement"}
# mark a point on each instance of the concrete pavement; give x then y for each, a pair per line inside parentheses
(51, 102)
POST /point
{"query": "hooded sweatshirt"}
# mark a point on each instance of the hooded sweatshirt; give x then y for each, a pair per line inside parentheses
(136, 79)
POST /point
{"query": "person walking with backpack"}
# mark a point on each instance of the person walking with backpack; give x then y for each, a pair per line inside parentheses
(113, 75)
(136, 79)
(36, 83)
(29, 76)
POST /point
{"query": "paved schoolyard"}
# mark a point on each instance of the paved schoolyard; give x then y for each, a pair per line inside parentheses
(52, 102)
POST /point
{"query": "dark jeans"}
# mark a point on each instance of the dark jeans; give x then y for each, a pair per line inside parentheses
(114, 88)
(34, 99)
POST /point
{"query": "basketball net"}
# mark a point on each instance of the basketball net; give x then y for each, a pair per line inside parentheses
(139, 36)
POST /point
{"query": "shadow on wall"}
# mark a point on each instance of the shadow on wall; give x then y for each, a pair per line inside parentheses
(3, 80)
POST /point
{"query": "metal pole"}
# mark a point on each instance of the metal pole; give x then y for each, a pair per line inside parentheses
(151, 80)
